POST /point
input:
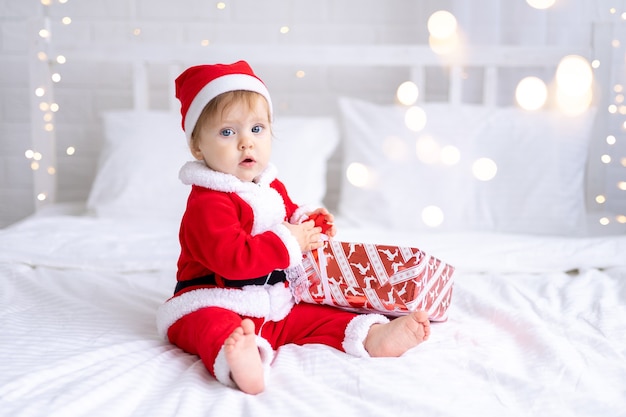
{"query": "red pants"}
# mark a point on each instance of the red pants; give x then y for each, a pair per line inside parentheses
(204, 331)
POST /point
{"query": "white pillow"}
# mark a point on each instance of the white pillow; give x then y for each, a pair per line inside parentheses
(143, 152)
(538, 187)
(301, 149)
(138, 168)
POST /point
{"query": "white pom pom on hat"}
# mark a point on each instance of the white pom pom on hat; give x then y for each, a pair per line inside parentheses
(200, 84)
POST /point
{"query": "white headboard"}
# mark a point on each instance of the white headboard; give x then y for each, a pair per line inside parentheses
(486, 64)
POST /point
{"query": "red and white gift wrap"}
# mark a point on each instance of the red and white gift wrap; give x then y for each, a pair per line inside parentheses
(370, 278)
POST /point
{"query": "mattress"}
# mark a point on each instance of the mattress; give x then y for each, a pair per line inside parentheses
(536, 327)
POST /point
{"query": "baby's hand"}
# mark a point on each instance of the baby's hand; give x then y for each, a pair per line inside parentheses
(307, 235)
(324, 220)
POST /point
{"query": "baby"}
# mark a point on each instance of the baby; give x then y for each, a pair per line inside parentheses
(242, 241)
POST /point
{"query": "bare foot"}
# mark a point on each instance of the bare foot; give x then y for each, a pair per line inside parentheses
(243, 357)
(399, 335)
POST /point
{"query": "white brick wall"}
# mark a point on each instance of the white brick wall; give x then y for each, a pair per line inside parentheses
(87, 89)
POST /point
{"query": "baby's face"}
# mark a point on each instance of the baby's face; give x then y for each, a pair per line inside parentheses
(239, 142)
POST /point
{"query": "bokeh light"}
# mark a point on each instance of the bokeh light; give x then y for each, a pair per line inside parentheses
(574, 75)
(415, 118)
(484, 169)
(359, 175)
(407, 93)
(574, 78)
(442, 24)
(531, 93)
(432, 216)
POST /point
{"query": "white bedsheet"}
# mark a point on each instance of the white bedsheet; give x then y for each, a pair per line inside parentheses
(525, 336)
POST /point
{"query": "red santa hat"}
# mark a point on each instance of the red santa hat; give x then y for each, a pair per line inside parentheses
(198, 85)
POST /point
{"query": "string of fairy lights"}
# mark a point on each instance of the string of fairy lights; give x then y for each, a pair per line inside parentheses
(574, 78)
(44, 73)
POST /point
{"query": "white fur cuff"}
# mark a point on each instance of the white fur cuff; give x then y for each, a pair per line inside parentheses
(356, 332)
(222, 370)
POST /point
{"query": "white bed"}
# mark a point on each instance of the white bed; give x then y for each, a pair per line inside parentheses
(536, 326)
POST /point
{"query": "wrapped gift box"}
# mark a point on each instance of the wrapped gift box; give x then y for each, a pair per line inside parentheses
(390, 280)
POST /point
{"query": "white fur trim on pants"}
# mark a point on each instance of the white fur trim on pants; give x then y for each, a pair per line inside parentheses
(222, 370)
(357, 331)
(273, 303)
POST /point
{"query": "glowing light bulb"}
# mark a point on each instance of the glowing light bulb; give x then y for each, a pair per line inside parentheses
(70, 150)
(415, 118)
(600, 199)
(44, 33)
(56, 77)
(407, 93)
(66, 20)
(484, 169)
(40, 91)
(611, 140)
(220, 5)
(300, 74)
(61, 59)
(442, 24)
(531, 93)
(359, 175)
(284, 29)
(41, 196)
(574, 75)
(432, 216)
(573, 105)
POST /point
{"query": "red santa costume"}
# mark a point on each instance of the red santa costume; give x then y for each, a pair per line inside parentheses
(237, 258)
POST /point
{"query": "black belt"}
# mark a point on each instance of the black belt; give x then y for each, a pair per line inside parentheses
(273, 278)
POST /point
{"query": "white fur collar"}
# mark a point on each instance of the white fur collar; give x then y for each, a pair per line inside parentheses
(266, 203)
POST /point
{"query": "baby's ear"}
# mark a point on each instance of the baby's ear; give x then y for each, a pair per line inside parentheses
(195, 151)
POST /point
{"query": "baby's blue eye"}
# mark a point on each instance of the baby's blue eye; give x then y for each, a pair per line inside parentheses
(257, 129)
(227, 132)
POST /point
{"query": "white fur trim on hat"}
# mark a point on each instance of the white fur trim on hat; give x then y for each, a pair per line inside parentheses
(356, 332)
(220, 85)
(273, 303)
(222, 370)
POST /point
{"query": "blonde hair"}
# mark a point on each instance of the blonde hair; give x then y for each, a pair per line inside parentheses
(218, 105)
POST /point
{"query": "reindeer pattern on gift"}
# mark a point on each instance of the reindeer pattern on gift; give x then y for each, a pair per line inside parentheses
(381, 278)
